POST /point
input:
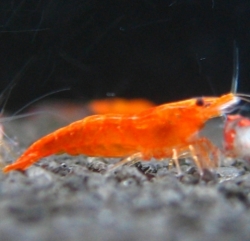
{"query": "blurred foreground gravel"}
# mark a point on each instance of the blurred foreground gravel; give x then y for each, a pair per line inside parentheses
(74, 198)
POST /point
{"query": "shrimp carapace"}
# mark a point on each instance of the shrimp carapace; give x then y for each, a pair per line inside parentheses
(164, 131)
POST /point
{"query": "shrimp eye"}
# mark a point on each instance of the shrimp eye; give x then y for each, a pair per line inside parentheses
(200, 102)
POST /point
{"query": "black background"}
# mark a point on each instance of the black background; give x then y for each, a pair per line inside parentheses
(160, 50)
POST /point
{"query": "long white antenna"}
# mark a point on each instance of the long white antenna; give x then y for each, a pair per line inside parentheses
(235, 77)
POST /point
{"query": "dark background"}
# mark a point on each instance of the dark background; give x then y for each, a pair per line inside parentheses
(160, 50)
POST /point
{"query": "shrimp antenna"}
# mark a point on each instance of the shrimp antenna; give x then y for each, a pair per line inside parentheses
(4, 97)
(7, 119)
(39, 98)
(235, 77)
(243, 97)
(6, 92)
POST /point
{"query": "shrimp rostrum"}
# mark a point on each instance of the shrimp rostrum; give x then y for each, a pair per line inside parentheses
(165, 131)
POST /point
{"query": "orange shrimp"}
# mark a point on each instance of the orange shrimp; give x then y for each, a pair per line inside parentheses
(119, 106)
(168, 130)
(237, 137)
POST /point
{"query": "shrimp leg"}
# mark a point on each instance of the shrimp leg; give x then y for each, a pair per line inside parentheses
(131, 160)
(200, 151)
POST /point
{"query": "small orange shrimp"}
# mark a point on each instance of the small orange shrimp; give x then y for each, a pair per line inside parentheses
(168, 130)
(237, 137)
(119, 106)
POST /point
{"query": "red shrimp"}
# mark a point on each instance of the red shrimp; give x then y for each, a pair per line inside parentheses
(165, 131)
(237, 137)
(119, 106)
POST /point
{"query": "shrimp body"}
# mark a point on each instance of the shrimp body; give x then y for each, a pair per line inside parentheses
(155, 132)
(237, 137)
(119, 106)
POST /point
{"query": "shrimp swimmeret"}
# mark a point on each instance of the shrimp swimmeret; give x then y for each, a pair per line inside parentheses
(165, 131)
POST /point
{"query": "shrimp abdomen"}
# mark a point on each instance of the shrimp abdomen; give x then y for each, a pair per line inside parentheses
(92, 136)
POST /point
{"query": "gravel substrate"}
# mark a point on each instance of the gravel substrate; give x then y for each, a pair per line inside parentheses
(75, 198)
